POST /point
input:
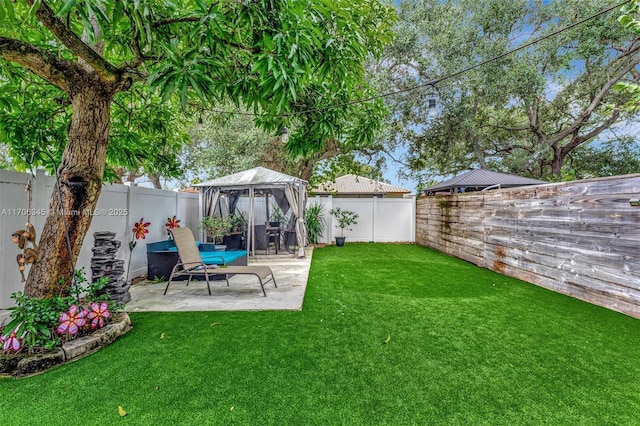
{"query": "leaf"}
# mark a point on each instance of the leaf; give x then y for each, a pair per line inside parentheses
(162, 336)
(34, 7)
(214, 324)
(122, 411)
(387, 340)
(66, 8)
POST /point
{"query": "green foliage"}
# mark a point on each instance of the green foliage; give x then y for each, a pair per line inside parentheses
(237, 221)
(224, 144)
(5, 159)
(347, 163)
(617, 157)
(277, 215)
(315, 222)
(216, 227)
(37, 318)
(523, 113)
(345, 218)
(284, 61)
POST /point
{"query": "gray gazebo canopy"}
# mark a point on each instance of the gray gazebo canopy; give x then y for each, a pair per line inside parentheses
(479, 180)
(289, 192)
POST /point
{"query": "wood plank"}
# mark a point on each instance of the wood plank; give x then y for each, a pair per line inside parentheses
(579, 238)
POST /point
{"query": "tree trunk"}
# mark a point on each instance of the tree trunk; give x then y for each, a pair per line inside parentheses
(80, 182)
(557, 162)
(155, 180)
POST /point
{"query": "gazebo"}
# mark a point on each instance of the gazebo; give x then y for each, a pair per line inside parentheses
(220, 197)
(479, 180)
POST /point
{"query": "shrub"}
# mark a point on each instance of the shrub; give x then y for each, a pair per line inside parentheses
(35, 323)
(315, 222)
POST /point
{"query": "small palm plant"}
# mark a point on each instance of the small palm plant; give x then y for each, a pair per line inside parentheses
(315, 222)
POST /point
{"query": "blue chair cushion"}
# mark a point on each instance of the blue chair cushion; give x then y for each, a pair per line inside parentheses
(221, 257)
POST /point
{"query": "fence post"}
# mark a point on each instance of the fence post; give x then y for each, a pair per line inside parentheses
(374, 207)
(330, 221)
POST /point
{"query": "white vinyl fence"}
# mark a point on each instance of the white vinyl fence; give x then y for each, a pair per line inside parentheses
(119, 207)
(379, 219)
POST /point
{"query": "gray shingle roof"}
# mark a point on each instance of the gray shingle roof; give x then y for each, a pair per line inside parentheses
(354, 184)
(483, 179)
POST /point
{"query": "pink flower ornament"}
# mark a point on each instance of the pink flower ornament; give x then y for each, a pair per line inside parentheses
(99, 313)
(12, 343)
(71, 321)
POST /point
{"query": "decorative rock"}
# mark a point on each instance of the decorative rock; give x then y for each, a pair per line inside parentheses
(80, 347)
(9, 363)
(39, 362)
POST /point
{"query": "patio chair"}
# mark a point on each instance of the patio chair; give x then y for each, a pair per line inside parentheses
(190, 263)
(273, 238)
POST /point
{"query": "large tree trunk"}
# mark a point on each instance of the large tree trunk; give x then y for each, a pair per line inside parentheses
(557, 162)
(80, 182)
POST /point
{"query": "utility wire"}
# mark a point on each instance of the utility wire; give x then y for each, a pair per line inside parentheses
(435, 81)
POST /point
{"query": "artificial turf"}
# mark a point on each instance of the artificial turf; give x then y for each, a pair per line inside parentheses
(389, 334)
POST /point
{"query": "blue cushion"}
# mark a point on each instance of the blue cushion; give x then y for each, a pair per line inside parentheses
(221, 257)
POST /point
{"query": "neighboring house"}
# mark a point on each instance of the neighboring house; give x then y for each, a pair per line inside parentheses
(479, 180)
(353, 186)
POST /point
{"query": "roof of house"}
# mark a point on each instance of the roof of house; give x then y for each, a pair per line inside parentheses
(482, 179)
(354, 184)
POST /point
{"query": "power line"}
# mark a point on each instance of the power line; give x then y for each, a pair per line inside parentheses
(435, 81)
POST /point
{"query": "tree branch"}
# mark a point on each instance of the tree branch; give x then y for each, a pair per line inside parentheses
(40, 62)
(586, 113)
(101, 66)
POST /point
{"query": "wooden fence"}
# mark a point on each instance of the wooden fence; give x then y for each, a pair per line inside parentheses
(579, 238)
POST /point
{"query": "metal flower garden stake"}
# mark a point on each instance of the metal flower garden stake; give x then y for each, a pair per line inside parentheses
(139, 232)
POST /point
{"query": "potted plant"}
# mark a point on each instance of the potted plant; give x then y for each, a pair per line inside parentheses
(277, 217)
(216, 228)
(234, 239)
(345, 219)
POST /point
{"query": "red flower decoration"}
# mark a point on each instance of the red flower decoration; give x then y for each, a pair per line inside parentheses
(12, 343)
(99, 312)
(172, 223)
(70, 322)
(140, 229)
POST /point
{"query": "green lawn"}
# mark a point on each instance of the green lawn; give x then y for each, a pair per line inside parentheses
(389, 334)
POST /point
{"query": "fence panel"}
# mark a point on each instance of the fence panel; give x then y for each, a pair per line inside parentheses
(578, 238)
(379, 219)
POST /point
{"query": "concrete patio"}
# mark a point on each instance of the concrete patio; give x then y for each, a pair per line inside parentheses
(243, 293)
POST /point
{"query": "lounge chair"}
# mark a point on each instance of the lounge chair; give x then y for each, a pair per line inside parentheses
(190, 263)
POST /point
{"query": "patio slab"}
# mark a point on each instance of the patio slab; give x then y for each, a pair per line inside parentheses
(243, 293)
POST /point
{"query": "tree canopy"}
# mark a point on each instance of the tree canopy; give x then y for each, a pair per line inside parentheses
(524, 112)
(286, 61)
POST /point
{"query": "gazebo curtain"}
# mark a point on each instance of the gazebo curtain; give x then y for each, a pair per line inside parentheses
(297, 201)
